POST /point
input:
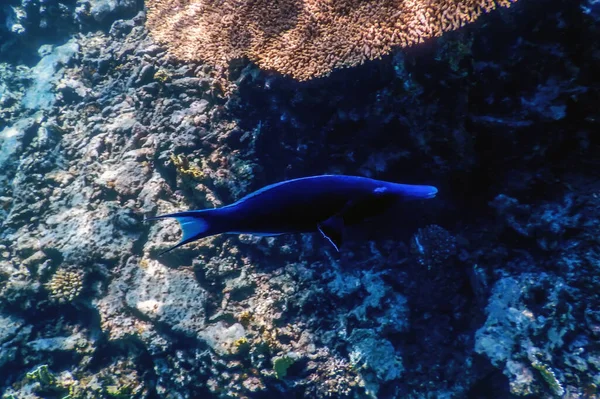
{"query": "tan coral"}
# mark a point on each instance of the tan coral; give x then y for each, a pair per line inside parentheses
(65, 285)
(303, 38)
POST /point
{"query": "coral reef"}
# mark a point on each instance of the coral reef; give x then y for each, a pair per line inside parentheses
(303, 38)
(490, 291)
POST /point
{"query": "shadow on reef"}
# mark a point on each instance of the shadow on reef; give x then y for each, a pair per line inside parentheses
(464, 119)
(476, 114)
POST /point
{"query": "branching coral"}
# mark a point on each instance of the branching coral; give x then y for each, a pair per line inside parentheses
(304, 38)
(65, 285)
(336, 378)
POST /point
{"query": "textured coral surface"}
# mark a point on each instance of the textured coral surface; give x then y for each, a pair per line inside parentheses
(304, 38)
(490, 290)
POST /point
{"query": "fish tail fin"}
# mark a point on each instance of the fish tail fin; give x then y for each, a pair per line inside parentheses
(194, 225)
(410, 191)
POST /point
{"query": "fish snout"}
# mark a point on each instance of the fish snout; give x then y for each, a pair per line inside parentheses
(409, 191)
(432, 192)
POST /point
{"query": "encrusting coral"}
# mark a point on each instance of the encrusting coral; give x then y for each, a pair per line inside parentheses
(304, 38)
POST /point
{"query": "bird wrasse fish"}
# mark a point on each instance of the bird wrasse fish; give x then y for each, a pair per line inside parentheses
(326, 203)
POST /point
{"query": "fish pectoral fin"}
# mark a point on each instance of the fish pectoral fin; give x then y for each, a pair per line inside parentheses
(333, 230)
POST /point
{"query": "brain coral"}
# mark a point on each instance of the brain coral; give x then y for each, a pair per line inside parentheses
(303, 38)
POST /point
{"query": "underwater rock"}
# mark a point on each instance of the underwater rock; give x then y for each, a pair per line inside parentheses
(101, 231)
(222, 338)
(115, 319)
(25, 25)
(66, 343)
(170, 297)
(13, 80)
(377, 354)
(546, 224)
(11, 140)
(527, 318)
(378, 301)
(46, 73)
(12, 332)
(504, 312)
(547, 103)
(102, 11)
(127, 179)
(71, 90)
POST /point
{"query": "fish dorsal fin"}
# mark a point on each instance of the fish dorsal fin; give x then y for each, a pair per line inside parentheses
(333, 230)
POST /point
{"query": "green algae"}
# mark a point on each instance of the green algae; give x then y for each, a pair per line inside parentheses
(281, 364)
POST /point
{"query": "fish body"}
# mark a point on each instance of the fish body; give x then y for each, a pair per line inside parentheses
(325, 203)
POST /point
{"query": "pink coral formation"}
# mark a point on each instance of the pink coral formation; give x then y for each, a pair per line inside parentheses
(303, 38)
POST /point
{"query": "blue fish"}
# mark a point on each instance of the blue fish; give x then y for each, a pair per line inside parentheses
(324, 203)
